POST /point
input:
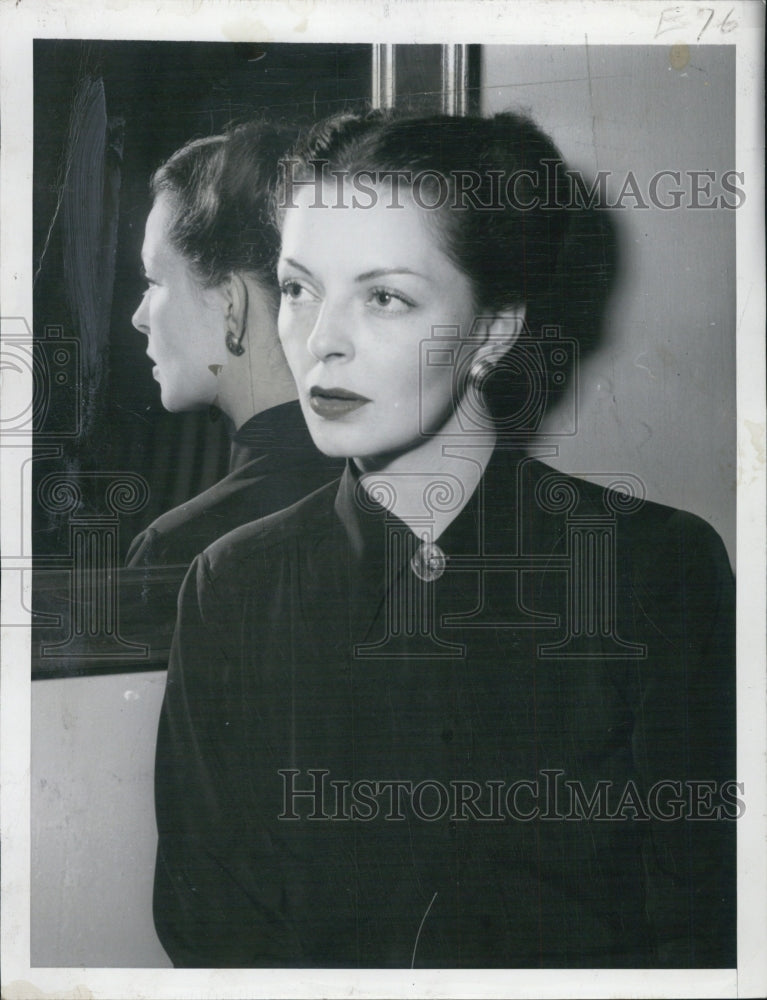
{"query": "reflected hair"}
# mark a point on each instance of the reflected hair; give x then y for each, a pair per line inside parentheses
(219, 197)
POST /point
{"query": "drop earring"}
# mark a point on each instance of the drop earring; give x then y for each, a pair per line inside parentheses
(233, 345)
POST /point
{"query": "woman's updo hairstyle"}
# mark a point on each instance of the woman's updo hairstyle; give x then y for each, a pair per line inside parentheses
(505, 213)
(219, 192)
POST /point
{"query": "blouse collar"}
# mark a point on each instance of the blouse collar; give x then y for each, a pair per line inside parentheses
(372, 529)
(383, 552)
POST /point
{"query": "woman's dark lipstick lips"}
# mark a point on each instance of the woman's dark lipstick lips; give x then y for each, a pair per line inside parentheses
(334, 403)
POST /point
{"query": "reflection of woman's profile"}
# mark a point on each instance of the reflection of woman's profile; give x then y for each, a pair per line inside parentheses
(461, 710)
(209, 315)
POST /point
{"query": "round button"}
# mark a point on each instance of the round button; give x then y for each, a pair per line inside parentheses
(428, 562)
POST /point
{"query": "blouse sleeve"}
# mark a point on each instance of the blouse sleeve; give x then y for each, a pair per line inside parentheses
(684, 749)
(211, 894)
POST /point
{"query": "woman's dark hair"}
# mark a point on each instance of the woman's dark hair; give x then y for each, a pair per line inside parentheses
(219, 190)
(501, 179)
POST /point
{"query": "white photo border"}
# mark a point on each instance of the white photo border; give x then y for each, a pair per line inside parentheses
(513, 22)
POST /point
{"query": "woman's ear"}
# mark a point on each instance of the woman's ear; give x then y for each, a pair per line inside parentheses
(497, 334)
(236, 306)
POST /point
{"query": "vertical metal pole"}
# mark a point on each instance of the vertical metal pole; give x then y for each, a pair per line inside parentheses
(455, 79)
(383, 69)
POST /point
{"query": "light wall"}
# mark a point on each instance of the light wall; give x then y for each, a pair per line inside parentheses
(93, 829)
(658, 397)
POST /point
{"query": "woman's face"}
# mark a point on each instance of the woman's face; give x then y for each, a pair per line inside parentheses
(184, 323)
(362, 289)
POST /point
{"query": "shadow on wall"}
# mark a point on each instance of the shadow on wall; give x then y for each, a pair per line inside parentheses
(565, 325)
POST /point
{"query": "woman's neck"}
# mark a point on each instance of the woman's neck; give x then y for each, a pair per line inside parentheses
(428, 486)
(254, 397)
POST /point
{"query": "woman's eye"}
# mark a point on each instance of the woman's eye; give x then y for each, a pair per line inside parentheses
(385, 300)
(295, 291)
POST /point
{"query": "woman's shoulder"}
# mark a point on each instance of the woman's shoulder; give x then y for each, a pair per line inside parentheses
(658, 544)
(669, 562)
(252, 544)
(619, 498)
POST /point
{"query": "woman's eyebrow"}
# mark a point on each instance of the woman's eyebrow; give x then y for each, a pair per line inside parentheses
(149, 262)
(294, 263)
(379, 272)
(383, 271)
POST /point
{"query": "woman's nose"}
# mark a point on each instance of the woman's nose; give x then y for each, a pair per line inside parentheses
(140, 317)
(329, 337)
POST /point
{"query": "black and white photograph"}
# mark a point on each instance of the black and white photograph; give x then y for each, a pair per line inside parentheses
(383, 491)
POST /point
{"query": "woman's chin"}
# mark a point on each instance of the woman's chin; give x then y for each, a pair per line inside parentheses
(351, 446)
(175, 403)
(332, 449)
(331, 439)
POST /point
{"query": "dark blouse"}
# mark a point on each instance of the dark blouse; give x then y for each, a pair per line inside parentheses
(517, 750)
(273, 463)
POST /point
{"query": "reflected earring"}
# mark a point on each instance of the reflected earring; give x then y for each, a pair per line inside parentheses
(480, 371)
(233, 345)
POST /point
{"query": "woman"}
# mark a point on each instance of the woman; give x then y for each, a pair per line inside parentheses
(209, 314)
(460, 710)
